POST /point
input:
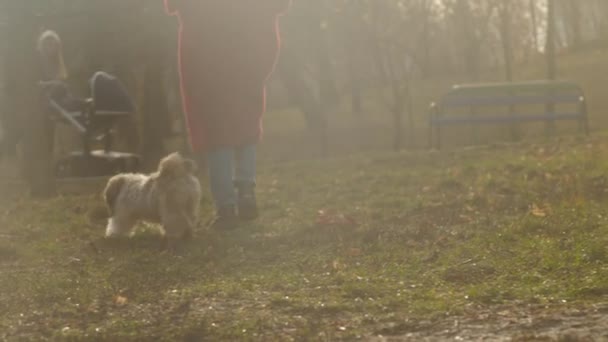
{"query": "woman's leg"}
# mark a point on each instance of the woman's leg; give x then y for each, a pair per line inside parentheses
(221, 170)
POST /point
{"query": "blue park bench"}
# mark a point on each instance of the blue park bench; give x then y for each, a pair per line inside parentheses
(508, 103)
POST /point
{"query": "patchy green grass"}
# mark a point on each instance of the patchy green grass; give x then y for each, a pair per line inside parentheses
(347, 248)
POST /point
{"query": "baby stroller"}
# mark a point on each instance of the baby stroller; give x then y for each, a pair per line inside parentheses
(94, 118)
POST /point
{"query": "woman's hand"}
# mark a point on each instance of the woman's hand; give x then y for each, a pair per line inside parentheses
(173, 6)
(279, 6)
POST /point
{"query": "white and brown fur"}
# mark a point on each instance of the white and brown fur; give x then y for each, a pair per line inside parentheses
(169, 196)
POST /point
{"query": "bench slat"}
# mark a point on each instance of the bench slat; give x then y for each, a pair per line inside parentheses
(506, 119)
(516, 87)
(507, 100)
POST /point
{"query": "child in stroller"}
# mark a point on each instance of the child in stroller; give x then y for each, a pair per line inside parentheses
(93, 118)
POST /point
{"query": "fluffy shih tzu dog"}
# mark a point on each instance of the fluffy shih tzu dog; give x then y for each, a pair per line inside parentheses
(170, 196)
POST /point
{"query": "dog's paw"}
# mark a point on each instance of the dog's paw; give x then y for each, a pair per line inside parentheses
(113, 230)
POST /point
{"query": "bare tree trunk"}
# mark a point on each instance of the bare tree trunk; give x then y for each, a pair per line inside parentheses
(409, 100)
(291, 71)
(533, 13)
(328, 90)
(398, 92)
(550, 46)
(155, 115)
(505, 33)
(398, 108)
(574, 23)
(505, 37)
(603, 5)
(402, 102)
(352, 28)
(426, 38)
(155, 120)
(551, 58)
(374, 42)
(355, 85)
(472, 48)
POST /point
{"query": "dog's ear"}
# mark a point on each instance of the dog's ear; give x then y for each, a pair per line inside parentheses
(190, 166)
(168, 165)
(167, 173)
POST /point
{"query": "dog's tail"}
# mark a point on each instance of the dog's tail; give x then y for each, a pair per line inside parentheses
(111, 192)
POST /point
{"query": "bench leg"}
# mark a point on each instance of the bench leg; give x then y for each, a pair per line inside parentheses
(438, 133)
(107, 141)
(550, 123)
(585, 125)
(585, 120)
(430, 142)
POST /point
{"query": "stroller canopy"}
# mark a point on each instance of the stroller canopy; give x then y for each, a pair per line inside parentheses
(109, 94)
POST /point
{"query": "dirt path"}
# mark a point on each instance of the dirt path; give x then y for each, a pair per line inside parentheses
(532, 323)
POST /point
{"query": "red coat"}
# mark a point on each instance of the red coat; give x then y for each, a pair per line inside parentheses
(227, 50)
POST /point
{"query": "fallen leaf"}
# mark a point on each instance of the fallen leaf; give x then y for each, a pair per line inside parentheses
(337, 265)
(354, 252)
(537, 211)
(120, 300)
(466, 218)
(326, 218)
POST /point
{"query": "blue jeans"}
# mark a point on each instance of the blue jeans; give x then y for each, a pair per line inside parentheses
(227, 167)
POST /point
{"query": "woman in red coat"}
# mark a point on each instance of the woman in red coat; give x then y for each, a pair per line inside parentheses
(227, 51)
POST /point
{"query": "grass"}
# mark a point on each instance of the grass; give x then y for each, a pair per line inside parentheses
(349, 247)
(346, 248)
